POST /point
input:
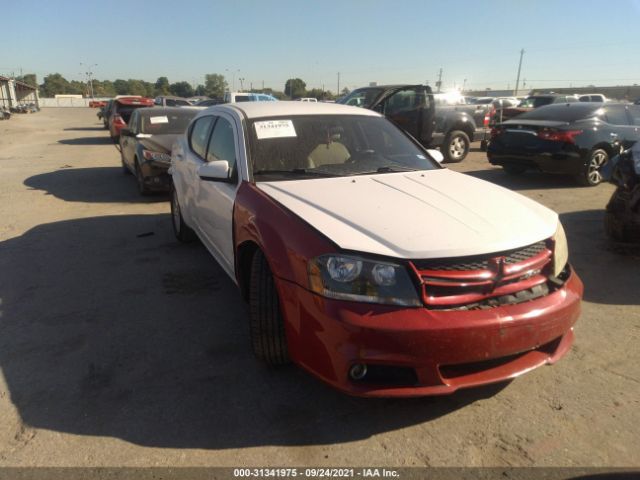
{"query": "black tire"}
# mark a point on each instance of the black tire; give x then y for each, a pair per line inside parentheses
(590, 175)
(125, 169)
(142, 188)
(268, 337)
(180, 229)
(455, 147)
(614, 228)
(512, 169)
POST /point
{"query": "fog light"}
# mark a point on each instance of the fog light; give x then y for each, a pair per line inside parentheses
(358, 371)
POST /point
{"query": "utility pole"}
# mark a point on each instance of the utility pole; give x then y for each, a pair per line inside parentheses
(89, 73)
(439, 82)
(233, 77)
(515, 93)
(338, 91)
(464, 84)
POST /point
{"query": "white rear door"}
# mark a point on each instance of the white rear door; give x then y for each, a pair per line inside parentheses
(214, 199)
(187, 158)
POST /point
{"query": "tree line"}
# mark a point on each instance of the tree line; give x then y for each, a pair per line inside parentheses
(214, 86)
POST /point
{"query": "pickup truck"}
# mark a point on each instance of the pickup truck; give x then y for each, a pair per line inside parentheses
(435, 121)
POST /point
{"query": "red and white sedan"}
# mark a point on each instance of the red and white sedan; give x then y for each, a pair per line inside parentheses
(363, 260)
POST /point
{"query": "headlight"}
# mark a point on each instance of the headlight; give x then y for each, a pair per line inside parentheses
(348, 277)
(560, 250)
(156, 156)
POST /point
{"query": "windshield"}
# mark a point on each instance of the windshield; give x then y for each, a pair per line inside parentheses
(298, 147)
(535, 102)
(362, 97)
(167, 123)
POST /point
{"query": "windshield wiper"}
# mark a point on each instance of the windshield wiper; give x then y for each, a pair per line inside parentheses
(389, 169)
(293, 171)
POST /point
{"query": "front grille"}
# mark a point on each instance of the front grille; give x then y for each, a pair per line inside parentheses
(485, 281)
(481, 262)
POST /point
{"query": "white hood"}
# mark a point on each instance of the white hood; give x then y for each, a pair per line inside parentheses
(426, 214)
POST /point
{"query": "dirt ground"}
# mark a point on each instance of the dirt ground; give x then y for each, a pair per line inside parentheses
(119, 346)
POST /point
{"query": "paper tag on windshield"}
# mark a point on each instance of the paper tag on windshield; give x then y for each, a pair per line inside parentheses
(275, 129)
(155, 120)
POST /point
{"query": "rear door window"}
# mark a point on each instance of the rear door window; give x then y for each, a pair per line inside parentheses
(617, 115)
(634, 113)
(199, 135)
(133, 123)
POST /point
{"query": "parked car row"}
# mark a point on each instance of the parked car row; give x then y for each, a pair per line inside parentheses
(115, 113)
(311, 210)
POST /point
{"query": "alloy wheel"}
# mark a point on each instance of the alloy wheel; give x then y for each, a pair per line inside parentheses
(457, 147)
(593, 172)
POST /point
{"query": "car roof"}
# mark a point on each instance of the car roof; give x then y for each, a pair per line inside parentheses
(277, 109)
(155, 111)
(552, 108)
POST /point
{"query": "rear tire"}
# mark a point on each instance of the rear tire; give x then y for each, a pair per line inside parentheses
(180, 229)
(268, 337)
(456, 146)
(590, 175)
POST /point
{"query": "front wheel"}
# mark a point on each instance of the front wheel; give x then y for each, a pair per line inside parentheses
(180, 229)
(142, 187)
(125, 169)
(266, 323)
(590, 175)
(456, 146)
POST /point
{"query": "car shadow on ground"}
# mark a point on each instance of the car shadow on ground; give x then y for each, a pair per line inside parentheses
(611, 275)
(527, 181)
(112, 328)
(92, 185)
(84, 141)
(86, 129)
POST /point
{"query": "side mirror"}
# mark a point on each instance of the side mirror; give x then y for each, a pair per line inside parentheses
(436, 155)
(125, 132)
(216, 170)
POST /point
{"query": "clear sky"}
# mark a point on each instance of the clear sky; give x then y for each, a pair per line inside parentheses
(566, 42)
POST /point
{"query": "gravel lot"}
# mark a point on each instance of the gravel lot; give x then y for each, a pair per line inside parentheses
(119, 346)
